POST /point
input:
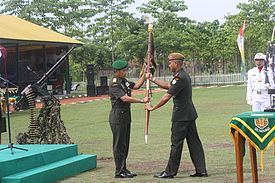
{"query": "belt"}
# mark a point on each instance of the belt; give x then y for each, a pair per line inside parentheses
(261, 92)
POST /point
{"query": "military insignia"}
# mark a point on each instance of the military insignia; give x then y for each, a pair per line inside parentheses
(114, 82)
(127, 84)
(174, 81)
(261, 123)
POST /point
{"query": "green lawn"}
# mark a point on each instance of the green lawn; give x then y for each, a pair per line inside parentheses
(87, 124)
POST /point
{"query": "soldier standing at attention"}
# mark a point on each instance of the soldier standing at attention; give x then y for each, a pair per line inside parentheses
(183, 119)
(120, 115)
(257, 86)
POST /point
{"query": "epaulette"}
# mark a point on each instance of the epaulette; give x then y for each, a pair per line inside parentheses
(115, 81)
(176, 76)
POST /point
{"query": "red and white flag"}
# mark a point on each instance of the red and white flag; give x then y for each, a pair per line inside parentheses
(3, 54)
(3, 58)
(240, 41)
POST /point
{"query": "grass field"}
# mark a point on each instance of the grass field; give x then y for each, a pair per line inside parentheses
(87, 124)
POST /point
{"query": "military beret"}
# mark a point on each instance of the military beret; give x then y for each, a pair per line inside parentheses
(175, 56)
(119, 64)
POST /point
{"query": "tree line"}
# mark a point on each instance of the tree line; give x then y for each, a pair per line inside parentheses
(110, 31)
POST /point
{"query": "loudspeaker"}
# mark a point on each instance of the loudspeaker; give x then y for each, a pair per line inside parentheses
(91, 90)
(103, 81)
(90, 74)
(102, 90)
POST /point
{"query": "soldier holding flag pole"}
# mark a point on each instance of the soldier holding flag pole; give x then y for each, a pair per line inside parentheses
(183, 119)
(120, 115)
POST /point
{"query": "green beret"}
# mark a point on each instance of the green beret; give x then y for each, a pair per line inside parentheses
(119, 64)
(175, 56)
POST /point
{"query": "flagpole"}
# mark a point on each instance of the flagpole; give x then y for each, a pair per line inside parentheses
(273, 34)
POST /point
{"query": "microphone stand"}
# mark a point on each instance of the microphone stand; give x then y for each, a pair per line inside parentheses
(10, 145)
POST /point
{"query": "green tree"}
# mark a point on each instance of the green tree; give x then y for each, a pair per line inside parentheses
(259, 16)
(67, 16)
(165, 12)
(111, 25)
(18, 8)
(169, 26)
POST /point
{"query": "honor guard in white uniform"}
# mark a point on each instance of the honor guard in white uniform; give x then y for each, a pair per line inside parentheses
(272, 67)
(258, 83)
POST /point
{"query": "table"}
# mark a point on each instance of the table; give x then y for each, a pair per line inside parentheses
(258, 128)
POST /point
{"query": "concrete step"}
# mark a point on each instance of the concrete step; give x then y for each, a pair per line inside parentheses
(37, 155)
(54, 171)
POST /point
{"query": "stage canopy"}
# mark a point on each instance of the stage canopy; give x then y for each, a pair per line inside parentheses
(22, 32)
(31, 46)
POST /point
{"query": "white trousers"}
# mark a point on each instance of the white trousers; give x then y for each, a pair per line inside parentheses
(260, 105)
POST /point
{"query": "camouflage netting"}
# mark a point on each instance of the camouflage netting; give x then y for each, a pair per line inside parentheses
(47, 128)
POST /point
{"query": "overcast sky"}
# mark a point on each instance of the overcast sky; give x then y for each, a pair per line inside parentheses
(207, 10)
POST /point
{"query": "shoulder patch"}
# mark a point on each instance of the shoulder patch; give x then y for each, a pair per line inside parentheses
(114, 82)
(174, 81)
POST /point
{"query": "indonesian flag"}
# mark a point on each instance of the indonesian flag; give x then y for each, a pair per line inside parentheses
(240, 41)
(3, 58)
(3, 54)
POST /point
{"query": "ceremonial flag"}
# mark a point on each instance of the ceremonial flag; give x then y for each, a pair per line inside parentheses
(3, 54)
(240, 41)
(3, 58)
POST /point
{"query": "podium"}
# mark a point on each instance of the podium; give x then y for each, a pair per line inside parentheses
(258, 128)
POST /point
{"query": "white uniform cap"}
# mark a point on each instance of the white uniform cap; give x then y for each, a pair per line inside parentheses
(259, 56)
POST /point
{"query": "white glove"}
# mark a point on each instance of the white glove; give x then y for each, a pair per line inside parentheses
(267, 85)
(249, 102)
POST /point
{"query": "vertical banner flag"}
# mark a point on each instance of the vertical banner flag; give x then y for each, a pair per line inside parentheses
(3, 54)
(240, 41)
(3, 58)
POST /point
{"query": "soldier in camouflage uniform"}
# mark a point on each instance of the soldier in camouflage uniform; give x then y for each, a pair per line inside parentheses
(120, 115)
(183, 119)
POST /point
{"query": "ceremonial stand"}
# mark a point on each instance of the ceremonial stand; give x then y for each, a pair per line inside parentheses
(239, 141)
(10, 145)
(258, 128)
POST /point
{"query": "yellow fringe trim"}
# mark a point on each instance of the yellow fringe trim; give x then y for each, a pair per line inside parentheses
(252, 143)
